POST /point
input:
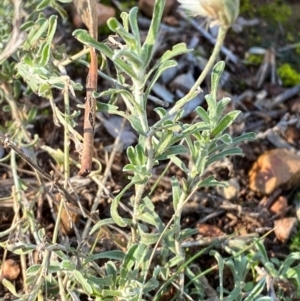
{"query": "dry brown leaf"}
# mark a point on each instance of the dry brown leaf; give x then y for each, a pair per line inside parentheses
(69, 216)
(104, 12)
(231, 191)
(273, 169)
(10, 270)
(146, 6)
(209, 230)
(284, 228)
(279, 206)
(292, 134)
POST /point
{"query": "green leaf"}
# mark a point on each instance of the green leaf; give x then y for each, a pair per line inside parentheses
(82, 281)
(97, 282)
(194, 128)
(220, 268)
(262, 250)
(45, 54)
(130, 56)
(176, 50)
(150, 285)
(160, 111)
(36, 33)
(203, 115)
(215, 77)
(187, 233)
(44, 90)
(244, 137)
(111, 269)
(52, 28)
(163, 67)
(178, 162)
(147, 217)
(149, 214)
(129, 260)
(148, 238)
(33, 270)
(131, 155)
(226, 138)
(235, 151)
(125, 18)
(117, 27)
(114, 207)
(292, 258)
(11, 288)
(139, 179)
(172, 151)
(112, 255)
(237, 140)
(130, 168)
(140, 154)
(134, 25)
(32, 115)
(225, 122)
(209, 182)
(106, 107)
(175, 261)
(26, 25)
(212, 109)
(147, 49)
(135, 122)
(200, 163)
(164, 143)
(82, 36)
(42, 5)
(258, 288)
(104, 222)
(176, 192)
(222, 105)
(67, 265)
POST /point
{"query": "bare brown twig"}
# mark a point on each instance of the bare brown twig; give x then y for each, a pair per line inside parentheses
(87, 11)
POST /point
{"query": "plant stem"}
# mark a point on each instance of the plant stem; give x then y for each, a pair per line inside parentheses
(140, 188)
(66, 158)
(219, 42)
(178, 248)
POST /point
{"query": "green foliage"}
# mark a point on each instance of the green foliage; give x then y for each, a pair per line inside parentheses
(140, 271)
(254, 59)
(289, 76)
(275, 11)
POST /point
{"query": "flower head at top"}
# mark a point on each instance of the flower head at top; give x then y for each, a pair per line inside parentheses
(221, 12)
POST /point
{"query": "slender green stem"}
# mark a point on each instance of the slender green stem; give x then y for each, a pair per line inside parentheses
(73, 58)
(219, 42)
(140, 188)
(177, 242)
(66, 177)
(66, 158)
(175, 215)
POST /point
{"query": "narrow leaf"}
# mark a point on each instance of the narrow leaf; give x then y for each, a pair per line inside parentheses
(225, 122)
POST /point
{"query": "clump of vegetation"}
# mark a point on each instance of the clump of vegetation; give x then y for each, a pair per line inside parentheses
(150, 259)
(288, 75)
(273, 12)
(254, 59)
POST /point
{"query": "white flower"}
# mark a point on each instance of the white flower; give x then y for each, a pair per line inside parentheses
(223, 12)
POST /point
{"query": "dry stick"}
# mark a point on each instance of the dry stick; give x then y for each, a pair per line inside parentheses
(7, 142)
(88, 13)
